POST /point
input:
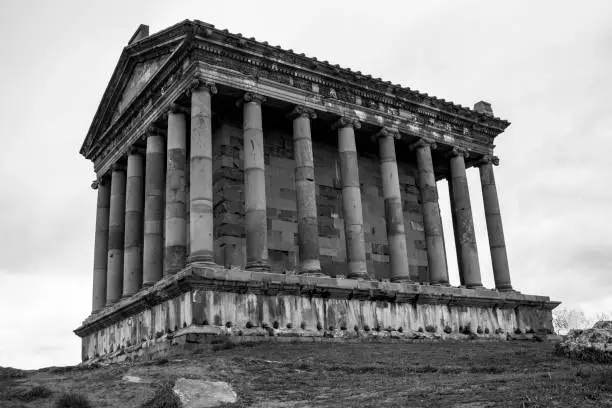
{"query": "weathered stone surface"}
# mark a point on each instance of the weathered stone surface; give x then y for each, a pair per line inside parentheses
(593, 344)
(202, 394)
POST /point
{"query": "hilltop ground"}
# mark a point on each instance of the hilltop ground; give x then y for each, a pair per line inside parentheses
(426, 374)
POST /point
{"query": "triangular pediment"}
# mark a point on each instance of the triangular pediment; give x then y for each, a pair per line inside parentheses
(139, 77)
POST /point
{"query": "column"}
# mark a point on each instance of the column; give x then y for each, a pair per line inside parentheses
(175, 245)
(100, 244)
(463, 224)
(305, 187)
(394, 216)
(351, 197)
(499, 257)
(434, 236)
(254, 184)
(116, 222)
(132, 253)
(153, 245)
(200, 176)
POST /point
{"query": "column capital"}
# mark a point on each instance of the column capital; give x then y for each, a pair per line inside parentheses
(176, 108)
(423, 143)
(487, 159)
(302, 111)
(118, 167)
(386, 132)
(347, 121)
(458, 151)
(153, 130)
(251, 97)
(198, 83)
(136, 150)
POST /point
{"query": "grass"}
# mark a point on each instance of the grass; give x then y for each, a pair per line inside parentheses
(72, 400)
(328, 374)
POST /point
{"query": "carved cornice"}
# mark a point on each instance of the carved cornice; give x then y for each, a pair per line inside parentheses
(347, 121)
(300, 111)
(176, 108)
(118, 167)
(154, 131)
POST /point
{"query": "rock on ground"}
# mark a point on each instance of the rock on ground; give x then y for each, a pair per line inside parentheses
(593, 344)
(202, 394)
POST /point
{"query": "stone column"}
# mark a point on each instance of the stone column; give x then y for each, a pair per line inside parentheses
(201, 242)
(100, 244)
(116, 222)
(434, 236)
(132, 253)
(351, 197)
(153, 245)
(499, 257)
(394, 216)
(465, 239)
(254, 184)
(175, 245)
(305, 187)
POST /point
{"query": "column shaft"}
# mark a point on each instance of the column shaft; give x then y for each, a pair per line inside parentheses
(499, 257)
(463, 222)
(434, 236)
(351, 199)
(305, 187)
(394, 216)
(153, 245)
(456, 232)
(175, 246)
(100, 245)
(132, 257)
(200, 177)
(116, 223)
(254, 184)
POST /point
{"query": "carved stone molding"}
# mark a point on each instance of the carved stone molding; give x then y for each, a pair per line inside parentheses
(118, 167)
(154, 131)
(302, 111)
(176, 108)
(347, 121)
(458, 151)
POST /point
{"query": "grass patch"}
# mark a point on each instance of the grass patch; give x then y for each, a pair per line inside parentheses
(222, 344)
(33, 394)
(486, 370)
(7, 373)
(164, 397)
(72, 400)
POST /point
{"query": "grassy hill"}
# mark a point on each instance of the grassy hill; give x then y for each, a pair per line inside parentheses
(420, 374)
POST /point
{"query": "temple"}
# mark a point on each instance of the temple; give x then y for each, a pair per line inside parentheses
(247, 190)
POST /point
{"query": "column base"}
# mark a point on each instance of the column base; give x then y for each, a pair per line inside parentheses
(505, 289)
(312, 266)
(477, 286)
(402, 279)
(358, 276)
(199, 259)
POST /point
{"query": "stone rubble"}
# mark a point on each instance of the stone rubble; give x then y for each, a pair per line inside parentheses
(593, 344)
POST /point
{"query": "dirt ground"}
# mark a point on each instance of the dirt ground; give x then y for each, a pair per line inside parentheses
(429, 374)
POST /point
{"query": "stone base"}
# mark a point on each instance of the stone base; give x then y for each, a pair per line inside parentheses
(200, 303)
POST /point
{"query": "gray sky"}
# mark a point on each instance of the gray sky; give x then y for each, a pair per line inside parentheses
(544, 65)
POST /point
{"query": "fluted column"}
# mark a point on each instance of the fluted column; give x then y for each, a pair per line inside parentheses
(132, 253)
(116, 223)
(394, 216)
(305, 187)
(351, 197)
(254, 184)
(201, 243)
(175, 244)
(434, 236)
(100, 244)
(497, 243)
(465, 239)
(153, 245)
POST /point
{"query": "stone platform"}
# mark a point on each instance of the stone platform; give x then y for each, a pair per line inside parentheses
(200, 302)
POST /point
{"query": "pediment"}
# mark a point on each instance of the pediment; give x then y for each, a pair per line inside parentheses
(138, 78)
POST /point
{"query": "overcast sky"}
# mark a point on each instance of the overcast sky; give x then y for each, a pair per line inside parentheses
(544, 65)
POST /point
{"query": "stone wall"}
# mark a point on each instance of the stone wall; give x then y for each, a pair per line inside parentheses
(281, 202)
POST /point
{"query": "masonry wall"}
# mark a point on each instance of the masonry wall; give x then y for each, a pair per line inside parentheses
(281, 200)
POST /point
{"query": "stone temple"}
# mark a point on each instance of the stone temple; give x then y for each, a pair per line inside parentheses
(250, 191)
